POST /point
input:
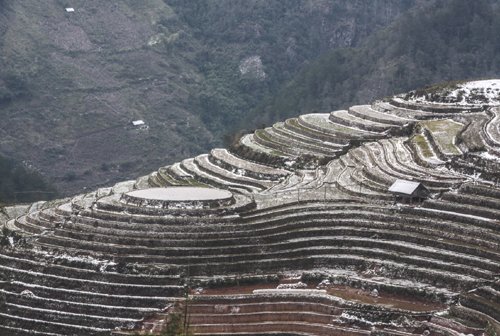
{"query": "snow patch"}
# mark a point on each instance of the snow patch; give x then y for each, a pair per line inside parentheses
(27, 293)
(489, 156)
(348, 318)
(478, 92)
(252, 66)
(323, 284)
(102, 264)
(467, 93)
(156, 39)
(298, 285)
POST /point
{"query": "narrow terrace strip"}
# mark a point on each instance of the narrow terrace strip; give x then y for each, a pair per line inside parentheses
(321, 122)
(238, 163)
(281, 128)
(366, 112)
(343, 117)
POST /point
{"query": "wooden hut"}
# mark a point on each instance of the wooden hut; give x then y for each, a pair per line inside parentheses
(408, 191)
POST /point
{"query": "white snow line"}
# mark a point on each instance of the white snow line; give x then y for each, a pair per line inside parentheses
(117, 284)
(59, 312)
(456, 213)
(29, 285)
(53, 323)
(142, 309)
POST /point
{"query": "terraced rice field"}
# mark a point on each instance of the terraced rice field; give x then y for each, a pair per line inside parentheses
(297, 235)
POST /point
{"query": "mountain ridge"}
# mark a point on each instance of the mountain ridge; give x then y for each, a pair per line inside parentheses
(433, 43)
(71, 83)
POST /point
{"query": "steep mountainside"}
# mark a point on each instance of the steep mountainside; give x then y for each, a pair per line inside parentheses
(438, 41)
(72, 82)
(250, 47)
(19, 184)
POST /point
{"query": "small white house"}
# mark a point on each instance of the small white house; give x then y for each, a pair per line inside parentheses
(138, 122)
(70, 9)
(409, 190)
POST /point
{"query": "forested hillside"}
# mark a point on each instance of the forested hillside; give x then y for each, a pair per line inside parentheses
(250, 48)
(441, 41)
(20, 184)
(71, 83)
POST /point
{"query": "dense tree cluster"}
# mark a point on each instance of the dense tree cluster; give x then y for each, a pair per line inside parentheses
(186, 72)
(442, 41)
(19, 184)
(286, 35)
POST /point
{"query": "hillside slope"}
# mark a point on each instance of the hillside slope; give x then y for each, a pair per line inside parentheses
(20, 184)
(438, 41)
(72, 82)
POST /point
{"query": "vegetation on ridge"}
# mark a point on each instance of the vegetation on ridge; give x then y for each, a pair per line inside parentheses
(20, 184)
(71, 83)
(440, 41)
